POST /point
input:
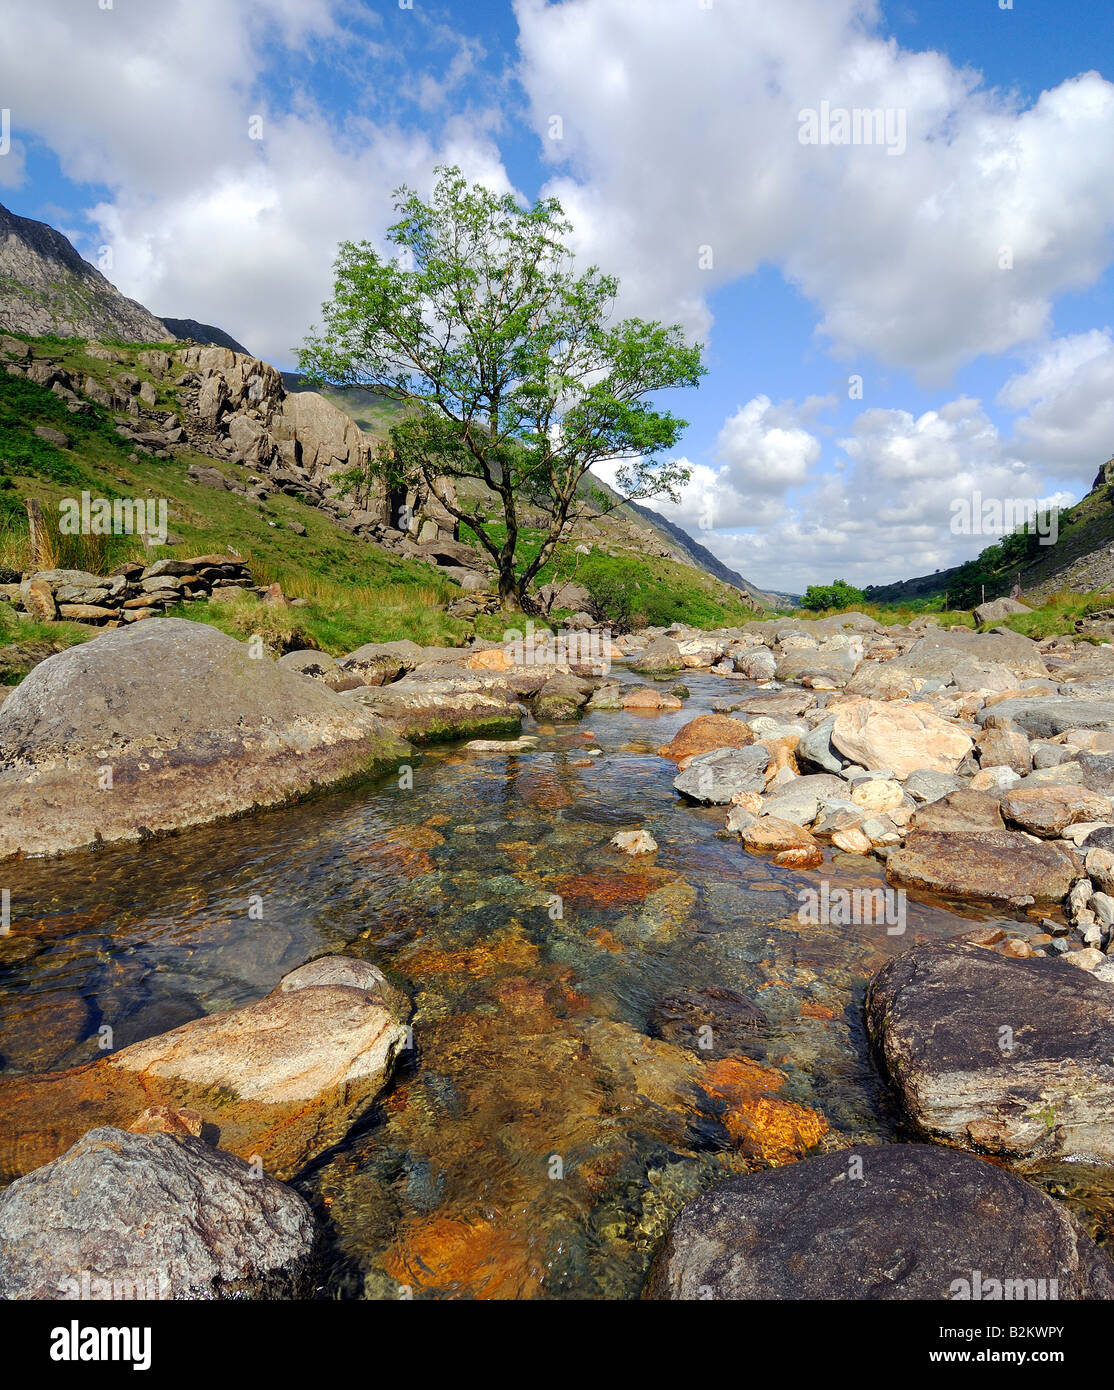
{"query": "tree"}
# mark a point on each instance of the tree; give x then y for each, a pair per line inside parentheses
(516, 379)
(837, 594)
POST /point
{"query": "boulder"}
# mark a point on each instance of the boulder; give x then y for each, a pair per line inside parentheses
(791, 845)
(999, 608)
(903, 738)
(1047, 716)
(895, 1222)
(316, 666)
(158, 726)
(998, 866)
(704, 734)
(561, 697)
(1007, 1057)
(712, 779)
(281, 1079)
(1047, 811)
(435, 711)
(661, 657)
(152, 1216)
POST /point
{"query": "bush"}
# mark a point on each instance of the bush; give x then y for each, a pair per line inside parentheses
(839, 594)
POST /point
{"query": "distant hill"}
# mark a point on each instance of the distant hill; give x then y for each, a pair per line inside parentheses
(204, 333)
(700, 556)
(1081, 559)
(47, 288)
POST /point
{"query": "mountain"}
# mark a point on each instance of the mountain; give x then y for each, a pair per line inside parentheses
(47, 288)
(702, 558)
(205, 334)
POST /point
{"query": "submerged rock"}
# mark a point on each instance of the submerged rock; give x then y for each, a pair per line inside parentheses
(903, 1221)
(124, 1215)
(281, 1079)
(430, 711)
(988, 865)
(1009, 1057)
(160, 726)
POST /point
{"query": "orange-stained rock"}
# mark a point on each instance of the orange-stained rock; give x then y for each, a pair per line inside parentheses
(762, 1124)
(791, 845)
(509, 951)
(463, 1258)
(782, 754)
(703, 734)
(646, 698)
(494, 659)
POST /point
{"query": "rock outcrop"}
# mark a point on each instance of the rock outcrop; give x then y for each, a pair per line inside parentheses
(1006, 1057)
(152, 1216)
(278, 1081)
(160, 726)
(903, 1221)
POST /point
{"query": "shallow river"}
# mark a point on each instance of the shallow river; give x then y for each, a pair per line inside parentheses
(537, 1141)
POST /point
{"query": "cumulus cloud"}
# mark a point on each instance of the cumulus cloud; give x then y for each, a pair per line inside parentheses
(159, 104)
(886, 509)
(681, 162)
(1067, 394)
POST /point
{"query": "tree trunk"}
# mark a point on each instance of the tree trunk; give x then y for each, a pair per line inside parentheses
(510, 592)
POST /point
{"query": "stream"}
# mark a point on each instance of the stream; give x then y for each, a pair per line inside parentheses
(537, 1140)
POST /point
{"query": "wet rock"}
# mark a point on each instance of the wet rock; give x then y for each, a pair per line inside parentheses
(281, 1079)
(712, 1021)
(1008, 1057)
(791, 845)
(916, 1224)
(705, 734)
(123, 1215)
(712, 779)
(903, 738)
(436, 711)
(163, 725)
(634, 842)
(993, 866)
(561, 697)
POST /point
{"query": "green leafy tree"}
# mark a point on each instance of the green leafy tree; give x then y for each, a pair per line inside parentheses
(837, 594)
(518, 380)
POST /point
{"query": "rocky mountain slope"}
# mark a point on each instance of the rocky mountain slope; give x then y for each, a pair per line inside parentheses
(47, 288)
(243, 409)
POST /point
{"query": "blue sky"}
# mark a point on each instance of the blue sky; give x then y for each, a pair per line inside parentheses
(681, 123)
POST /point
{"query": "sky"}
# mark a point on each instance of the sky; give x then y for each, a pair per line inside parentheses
(899, 326)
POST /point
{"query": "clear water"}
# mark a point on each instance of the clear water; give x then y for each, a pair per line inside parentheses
(537, 1143)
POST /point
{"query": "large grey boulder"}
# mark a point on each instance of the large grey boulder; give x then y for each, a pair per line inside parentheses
(712, 779)
(1049, 715)
(124, 1215)
(661, 657)
(1008, 1057)
(902, 1221)
(163, 725)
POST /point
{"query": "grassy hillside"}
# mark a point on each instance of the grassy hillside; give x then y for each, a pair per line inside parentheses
(1081, 560)
(356, 591)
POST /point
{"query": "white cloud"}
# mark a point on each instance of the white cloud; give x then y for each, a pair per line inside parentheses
(680, 131)
(1068, 396)
(154, 102)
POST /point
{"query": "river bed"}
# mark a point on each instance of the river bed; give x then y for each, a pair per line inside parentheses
(538, 1139)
